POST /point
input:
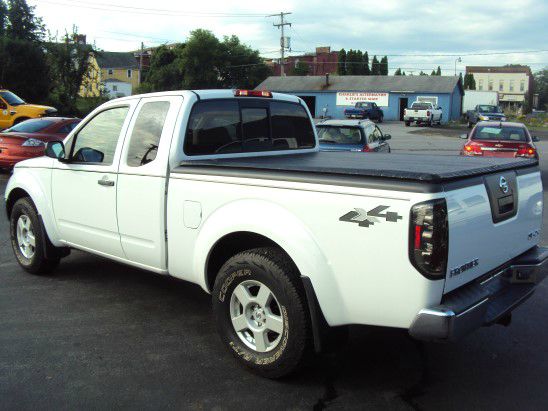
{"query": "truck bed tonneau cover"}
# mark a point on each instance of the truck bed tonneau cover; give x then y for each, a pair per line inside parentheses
(413, 167)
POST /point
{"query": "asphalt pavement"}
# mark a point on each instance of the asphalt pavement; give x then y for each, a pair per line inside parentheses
(100, 335)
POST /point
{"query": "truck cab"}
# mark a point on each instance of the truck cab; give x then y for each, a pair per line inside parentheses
(14, 109)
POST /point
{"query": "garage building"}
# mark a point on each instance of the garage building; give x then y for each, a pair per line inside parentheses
(332, 94)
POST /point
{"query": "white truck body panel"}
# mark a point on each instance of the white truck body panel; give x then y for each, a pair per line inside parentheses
(474, 97)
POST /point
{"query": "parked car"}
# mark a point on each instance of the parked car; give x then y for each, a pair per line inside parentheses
(484, 112)
(28, 139)
(499, 139)
(422, 112)
(352, 135)
(228, 189)
(14, 110)
(365, 109)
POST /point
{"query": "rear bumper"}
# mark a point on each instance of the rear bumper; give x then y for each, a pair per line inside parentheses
(484, 301)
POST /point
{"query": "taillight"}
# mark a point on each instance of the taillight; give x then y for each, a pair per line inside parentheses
(252, 93)
(529, 152)
(429, 236)
(366, 149)
(472, 150)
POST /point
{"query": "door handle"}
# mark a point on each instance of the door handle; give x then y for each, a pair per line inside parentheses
(105, 182)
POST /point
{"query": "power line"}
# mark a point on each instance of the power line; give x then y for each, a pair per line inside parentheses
(148, 11)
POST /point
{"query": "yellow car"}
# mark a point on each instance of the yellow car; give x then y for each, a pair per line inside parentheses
(13, 110)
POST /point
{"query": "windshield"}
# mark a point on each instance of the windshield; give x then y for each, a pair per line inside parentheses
(11, 98)
(421, 106)
(363, 105)
(30, 126)
(488, 109)
(339, 135)
(504, 133)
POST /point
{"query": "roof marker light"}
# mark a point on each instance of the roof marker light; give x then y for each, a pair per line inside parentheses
(252, 93)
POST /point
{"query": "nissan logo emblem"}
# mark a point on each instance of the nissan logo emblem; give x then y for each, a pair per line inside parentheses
(503, 184)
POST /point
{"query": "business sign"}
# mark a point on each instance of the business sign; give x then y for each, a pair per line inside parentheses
(349, 98)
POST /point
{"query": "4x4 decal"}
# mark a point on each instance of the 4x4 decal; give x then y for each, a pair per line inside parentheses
(367, 218)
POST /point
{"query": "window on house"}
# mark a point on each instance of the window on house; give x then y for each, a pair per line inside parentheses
(501, 85)
(110, 72)
(511, 85)
(129, 73)
(490, 85)
(522, 85)
(480, 85)
(114, 88)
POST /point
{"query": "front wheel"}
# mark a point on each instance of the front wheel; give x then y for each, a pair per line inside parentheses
(407, 124)
(26, 238)
(380, 119)
(261, 313)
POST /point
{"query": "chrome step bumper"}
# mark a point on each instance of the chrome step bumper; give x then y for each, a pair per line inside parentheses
(484, 301)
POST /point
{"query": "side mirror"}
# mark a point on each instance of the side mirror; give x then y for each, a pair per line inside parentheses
(464, 136)
(536, 139)
(56, 150)
(386, 137)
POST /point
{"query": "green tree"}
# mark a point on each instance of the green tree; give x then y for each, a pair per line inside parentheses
(438, 71)
(22, 24)
(375, 67)
(398, 72)
(350, 60)
(23, 69)
(3, 17)
(422, 73)
(366, 69)
(341, 67)
(165, 71)
(240, 66)
(301, 69)
(403, 73)
(541, 87)
(359, 63)
(433, 73)
(200, 60)
(383, 68)
(469, 82)
(70, 69)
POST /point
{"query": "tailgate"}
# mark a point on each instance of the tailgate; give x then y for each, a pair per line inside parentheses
(492, 222)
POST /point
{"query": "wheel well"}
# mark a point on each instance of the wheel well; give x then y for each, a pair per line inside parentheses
(15, 195)
(20, 119)
(230, 245)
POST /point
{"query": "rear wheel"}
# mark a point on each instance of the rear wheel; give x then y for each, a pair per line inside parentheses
(26, 238)
(439, 120)
(261, 311)
(380, 118)
(407, 124)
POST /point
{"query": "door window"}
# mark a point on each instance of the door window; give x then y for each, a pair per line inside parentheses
(96, 141)
(145, 137)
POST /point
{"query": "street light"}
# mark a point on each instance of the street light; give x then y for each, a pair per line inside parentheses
(459, 60)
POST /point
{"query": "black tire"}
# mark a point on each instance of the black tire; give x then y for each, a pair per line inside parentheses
(407, 124)
(380, 119)
(37, 263)
(272, 268)
(439, 121)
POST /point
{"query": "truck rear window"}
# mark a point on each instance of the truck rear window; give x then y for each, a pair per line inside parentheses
(232, 126)
(421, 106)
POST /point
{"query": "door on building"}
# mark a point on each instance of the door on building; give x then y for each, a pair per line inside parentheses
(310, 102)
(403, 106)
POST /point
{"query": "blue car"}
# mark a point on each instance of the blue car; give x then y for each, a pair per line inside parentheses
(352, 135)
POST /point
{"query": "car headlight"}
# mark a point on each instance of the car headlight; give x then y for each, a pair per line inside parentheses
(503, 119)
(33, 142)
(483, 118)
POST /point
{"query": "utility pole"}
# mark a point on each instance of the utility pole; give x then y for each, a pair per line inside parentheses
(141, 62)
(283, 46)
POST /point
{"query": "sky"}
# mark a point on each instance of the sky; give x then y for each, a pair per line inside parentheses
(416, 35)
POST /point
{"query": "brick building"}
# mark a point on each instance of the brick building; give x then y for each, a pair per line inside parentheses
(321, 62)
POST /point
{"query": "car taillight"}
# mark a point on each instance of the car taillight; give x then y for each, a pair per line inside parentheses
(529, 152)
(252, 93)
(472, 150)
(366, 149)
(427, 114)
(429, 236)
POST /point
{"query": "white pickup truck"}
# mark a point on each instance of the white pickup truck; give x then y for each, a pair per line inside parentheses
(422, 112)
(228, 190)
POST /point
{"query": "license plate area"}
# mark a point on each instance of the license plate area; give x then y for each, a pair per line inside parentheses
(502, 190)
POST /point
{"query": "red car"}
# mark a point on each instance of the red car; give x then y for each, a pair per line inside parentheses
(28, 139)
(499, 139)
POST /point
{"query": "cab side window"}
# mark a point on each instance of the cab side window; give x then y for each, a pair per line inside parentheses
(145, 137)
(378, 134)
(96, 142)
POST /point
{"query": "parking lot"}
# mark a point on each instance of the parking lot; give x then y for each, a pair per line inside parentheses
(98, 334)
